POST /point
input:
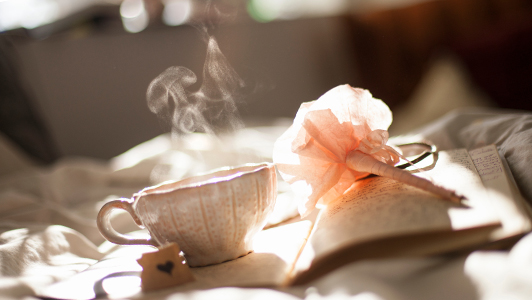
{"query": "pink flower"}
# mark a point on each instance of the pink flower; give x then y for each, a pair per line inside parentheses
(311, 154)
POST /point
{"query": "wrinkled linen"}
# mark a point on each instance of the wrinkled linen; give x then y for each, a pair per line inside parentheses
(48, 215)
(48, 232)
(311, 154)
(510, 130)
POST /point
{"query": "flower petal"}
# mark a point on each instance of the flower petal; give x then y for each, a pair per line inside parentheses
(311, 154)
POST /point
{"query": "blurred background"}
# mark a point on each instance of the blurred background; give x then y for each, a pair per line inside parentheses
(74, 73)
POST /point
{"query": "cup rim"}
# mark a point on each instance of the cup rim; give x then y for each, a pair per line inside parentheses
(154, 190)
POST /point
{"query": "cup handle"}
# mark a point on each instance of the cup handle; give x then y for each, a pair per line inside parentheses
(104, 224)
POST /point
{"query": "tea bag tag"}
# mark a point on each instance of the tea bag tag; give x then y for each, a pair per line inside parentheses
(164, 268)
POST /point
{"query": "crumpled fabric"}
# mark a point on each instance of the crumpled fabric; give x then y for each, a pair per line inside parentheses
(35, 256)
(44, 253)
(48, 229)
(311, 154)
(510, 130)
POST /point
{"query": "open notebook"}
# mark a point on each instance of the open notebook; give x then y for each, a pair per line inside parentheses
(376, 218)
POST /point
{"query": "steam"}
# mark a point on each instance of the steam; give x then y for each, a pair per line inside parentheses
(211, 107)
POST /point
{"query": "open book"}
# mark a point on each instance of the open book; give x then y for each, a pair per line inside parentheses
(376, 218)
(379, 217)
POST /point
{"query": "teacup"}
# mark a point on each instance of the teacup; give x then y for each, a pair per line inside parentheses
(212, 217)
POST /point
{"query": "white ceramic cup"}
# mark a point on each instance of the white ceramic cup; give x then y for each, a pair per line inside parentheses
(212, 217)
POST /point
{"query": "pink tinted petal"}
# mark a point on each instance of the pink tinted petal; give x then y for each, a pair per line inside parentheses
(369, 110)
(393, 155)
(319, 186)
(374, 141)
(303, 109)
(355, 105)
(378, 138)
(325, 128)
(359, 133)
(315, 150)
(344, 182)
(311, 154)
(300, 137)
(379, 115)
(300, 140)
(365, 146)
(313, 171)
(338, 101)
(386, 156)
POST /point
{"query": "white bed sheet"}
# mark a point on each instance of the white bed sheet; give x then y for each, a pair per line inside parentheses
(48, 231)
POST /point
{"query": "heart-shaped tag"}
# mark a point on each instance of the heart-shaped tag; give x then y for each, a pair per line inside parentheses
(167, 267)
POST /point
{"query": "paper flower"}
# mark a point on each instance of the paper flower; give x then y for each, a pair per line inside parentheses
(334, 141)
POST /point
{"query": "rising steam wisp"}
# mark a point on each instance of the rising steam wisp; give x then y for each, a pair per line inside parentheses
(210, 108)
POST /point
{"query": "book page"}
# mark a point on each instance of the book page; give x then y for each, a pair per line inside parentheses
(505, 198)
(379, 217)
(378, 207)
